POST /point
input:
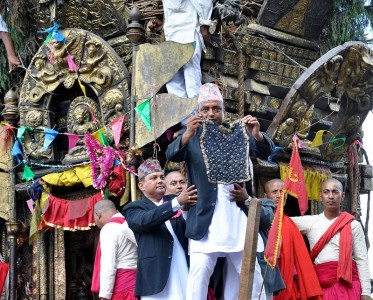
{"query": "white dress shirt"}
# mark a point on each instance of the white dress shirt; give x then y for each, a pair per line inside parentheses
(177, 278)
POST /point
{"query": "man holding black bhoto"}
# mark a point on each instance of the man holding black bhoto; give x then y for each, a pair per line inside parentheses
(217, 158)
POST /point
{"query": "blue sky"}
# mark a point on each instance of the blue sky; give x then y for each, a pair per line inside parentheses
(368, 145)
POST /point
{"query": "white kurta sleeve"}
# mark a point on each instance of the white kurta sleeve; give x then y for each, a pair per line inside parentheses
(108, 266)
(3, 27)
(204, 10)
(128, 233)
(360, 255)
(303, 223)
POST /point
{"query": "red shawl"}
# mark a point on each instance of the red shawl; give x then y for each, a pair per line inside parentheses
(342, 224)
(293, 257)
(95, 287)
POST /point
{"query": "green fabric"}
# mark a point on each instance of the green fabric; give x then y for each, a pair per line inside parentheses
(144, 111)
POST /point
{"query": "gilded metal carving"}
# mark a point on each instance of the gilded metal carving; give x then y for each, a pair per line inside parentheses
(98, 16)
(92, 69)
(83, 117)
(167, 110)
(154, 68)
(112, 105)
(346, 72)
(59, 266)
(301, 17)
(49, 82)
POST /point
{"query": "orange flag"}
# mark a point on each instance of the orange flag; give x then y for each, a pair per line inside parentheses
(294, 185)
(294, 182)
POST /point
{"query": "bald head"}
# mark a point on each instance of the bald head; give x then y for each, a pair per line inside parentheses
(334, 181)
(272, 190)
(103, 212)
(105, 205)
(175, 183)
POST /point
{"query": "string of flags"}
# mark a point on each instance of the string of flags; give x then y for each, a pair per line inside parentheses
(51, 134)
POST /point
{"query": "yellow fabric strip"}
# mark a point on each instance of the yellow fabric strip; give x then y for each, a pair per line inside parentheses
(313, 177)
(80, 174)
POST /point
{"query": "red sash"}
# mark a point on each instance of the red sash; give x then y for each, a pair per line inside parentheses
(95, 287)
(342, 224)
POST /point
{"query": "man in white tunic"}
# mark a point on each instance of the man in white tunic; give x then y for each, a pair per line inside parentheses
(338, 247)
(216, 225)
(114, 273)
(8, 43)
(159, 228)
(187, 21)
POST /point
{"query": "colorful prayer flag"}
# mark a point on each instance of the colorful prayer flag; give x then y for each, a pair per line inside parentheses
(317, 141)
(82, 87)
(50, 135)
(17, 152)
(20, 133)
(70, 62)
(73, 139)
(169, 134)
(144, 110)
(116, 126)
(27, 173)
(30, 205)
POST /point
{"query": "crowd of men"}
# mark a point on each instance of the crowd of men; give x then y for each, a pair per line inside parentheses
(184, 236)
(183, 226)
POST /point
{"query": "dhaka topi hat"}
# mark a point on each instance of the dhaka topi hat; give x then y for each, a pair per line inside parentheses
(209, 92)
(149, 166)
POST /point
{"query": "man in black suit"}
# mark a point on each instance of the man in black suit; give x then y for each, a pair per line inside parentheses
(159, 227)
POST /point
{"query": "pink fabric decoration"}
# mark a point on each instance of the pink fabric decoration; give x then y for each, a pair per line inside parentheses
(177, 215)
(169, 134)
(209, 92)
(116, 125)
(71, 63)
(73, 139)
(296, 139)
(51, 55)
(30, 204)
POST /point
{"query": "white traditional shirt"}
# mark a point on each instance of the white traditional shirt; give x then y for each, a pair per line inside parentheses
(227, 230)
(184, 17)
(118, 251)
(176, 284)
(3, 27)
(315, 226)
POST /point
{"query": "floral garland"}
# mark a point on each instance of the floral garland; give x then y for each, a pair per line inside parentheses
(102, 161)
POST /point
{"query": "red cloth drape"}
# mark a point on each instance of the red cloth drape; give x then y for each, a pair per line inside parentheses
(342, 224)
(58, 213)
(296, 267)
